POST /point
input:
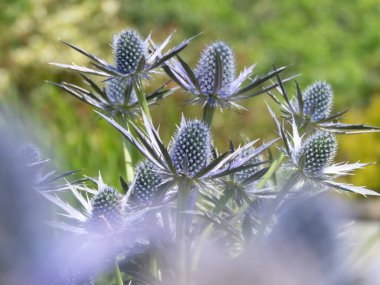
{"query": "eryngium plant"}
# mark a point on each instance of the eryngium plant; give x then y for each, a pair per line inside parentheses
(187, 197)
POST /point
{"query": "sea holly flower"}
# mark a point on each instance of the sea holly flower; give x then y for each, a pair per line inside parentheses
(116, 98)
(311, 109)
(145, 188)
(213, 82)
(135, 58)
(190, 153)
(313, 160)
(191, 147)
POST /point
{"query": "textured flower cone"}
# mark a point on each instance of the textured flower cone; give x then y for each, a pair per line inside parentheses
(30, 154)
(145, 186)
(191, 147)
(206, 68)
(318, 100)
(129, 49)
(318, 152)
(246, 173)
(107, 211)
(115, 90)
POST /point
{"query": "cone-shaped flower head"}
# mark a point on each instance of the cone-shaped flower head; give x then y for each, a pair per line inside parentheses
(191, 147)
(318, 152)
(30, 154)
(318, 100)
(206, 71)
(145, 185)
(129, 49)
(116, 91)
(107, 210)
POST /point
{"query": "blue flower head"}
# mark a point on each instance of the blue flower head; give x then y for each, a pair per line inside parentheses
(206, 70)
(191, 147)
(318, 100)
(145, 186)
(115, 90)
(129, 50)
(318, 152)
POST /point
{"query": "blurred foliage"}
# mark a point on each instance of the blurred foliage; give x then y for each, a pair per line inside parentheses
(335, 41)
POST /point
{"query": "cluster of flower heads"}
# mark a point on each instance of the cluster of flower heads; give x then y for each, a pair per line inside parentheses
(236, 186)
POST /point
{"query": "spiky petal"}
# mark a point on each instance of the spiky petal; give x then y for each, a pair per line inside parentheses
(207, 65)
(129, 49)
(116, 91)
(191, 147)
(317, 152)
(318, 100)
(145, 186)
(107, 211)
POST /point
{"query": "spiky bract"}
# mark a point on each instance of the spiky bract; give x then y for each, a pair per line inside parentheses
(242, 175)
(116, 89)
(318, 100)
(318, 152)
(129, 50)
(145, 186)
(206, 69)
(107, 211)
(191, 147)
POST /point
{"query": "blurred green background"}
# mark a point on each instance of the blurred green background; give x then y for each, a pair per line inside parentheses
(336, 41)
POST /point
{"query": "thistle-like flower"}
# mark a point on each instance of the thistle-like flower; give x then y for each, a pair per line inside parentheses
(311, 109)
(117, 97)
(129, 49)
(313, 157)
(135, 58)
(318, 100)
(213, 55)
(145, 187)
(317, 152)
(191, 147)
(214, 83)
(107, 212)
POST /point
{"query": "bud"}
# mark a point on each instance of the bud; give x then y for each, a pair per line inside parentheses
(318, 100)
(206, 68)
(129, 49)
(107, 210)
(318, 152)
(115, 90)
(145, 186)
(191, 147)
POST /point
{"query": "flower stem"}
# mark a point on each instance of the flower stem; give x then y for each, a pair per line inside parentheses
(182, 203)
(208, 114)
(137, 85)
(118, 279)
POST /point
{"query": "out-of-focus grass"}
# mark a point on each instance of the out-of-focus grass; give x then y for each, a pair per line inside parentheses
(332, 40)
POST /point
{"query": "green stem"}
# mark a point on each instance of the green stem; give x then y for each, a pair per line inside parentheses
(274, 206)
(141, 98)
(208, 114)
(182, 204)
(117, 273)
(128, 149)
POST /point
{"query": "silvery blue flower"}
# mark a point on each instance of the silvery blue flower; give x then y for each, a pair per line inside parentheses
(318, 100)
(213, 82)
(145, 187)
